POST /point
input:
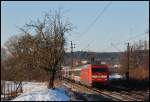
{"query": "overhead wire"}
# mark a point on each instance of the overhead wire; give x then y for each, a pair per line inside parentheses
(95, 20)
(97, 17)
(127, 40)
(122, 42)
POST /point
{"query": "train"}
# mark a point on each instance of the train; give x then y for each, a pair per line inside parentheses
(88, 74)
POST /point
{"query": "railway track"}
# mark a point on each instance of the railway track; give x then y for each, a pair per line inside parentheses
(130, 95)
(139, 95)
(115, 95)
(121, 95)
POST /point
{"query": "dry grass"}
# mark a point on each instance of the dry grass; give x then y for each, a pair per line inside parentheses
(139, 73)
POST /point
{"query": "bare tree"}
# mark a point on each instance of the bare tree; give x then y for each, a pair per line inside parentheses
(52, 41)
(20, 66)
(39, 48)
(3, 60)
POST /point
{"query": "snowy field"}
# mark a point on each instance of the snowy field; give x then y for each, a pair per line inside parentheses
(34, 91)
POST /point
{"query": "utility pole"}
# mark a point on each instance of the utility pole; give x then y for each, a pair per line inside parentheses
(128, 61)
(70, 73)
(72, 53)
(145, 44)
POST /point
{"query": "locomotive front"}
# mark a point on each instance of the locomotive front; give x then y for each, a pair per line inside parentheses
(100, 74)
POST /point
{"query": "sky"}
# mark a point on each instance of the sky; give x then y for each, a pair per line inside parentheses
(121, 22)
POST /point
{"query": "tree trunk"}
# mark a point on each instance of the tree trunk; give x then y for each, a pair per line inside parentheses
(50, 80)
(52, 77)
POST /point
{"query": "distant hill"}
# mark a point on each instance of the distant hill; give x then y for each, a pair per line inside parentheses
(108, 57)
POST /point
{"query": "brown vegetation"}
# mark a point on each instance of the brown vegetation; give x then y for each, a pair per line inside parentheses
(38, 53)
(139, 73)
(138, 62)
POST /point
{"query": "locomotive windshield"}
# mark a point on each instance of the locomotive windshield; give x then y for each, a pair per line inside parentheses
(99, 70)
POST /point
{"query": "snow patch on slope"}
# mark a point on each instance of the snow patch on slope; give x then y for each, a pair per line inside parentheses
(39, 92)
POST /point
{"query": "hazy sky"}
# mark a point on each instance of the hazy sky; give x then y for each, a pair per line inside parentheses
(121, 21)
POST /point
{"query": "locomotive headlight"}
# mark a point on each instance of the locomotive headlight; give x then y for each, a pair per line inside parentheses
(94, 76)
(100, 76)
(103, 76)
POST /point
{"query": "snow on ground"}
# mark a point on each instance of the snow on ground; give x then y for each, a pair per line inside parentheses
(33, 86)
(33, 91)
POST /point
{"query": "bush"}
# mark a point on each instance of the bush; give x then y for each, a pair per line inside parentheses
(139, 73)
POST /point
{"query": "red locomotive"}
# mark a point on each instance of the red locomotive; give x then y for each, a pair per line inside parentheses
(89, 74)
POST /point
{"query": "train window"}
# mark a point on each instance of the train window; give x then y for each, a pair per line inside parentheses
(99, 70)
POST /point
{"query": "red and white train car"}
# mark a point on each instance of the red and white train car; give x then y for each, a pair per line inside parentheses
(89, 74)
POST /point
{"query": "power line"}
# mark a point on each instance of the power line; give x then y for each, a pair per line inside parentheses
(115, 47)
(123, 42)
(127, 40)
(92, 24)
